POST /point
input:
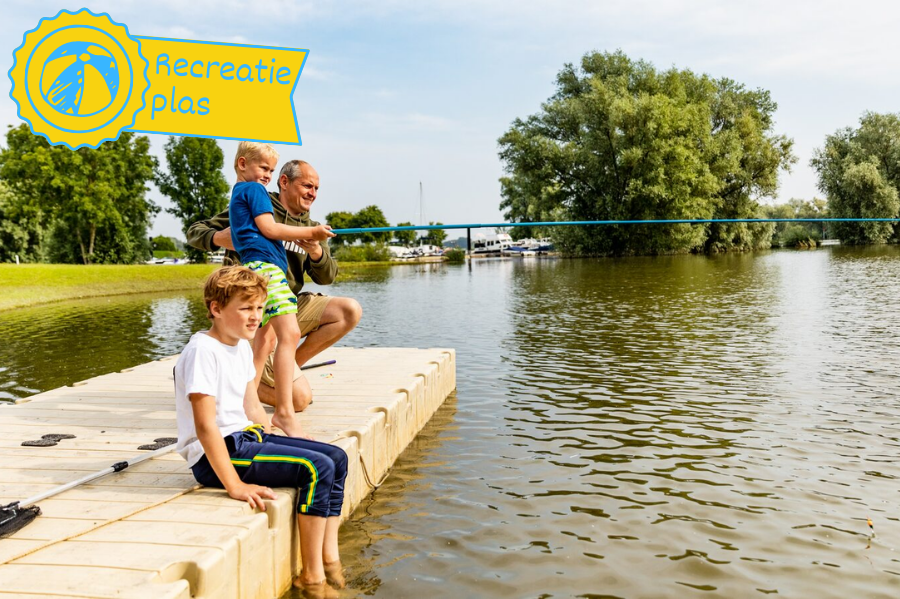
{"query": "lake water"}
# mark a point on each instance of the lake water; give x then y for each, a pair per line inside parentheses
(648, 427)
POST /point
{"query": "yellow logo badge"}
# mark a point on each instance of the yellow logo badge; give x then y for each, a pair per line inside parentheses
(78, 79)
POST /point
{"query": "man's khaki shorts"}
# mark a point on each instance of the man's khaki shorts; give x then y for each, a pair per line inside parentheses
(310, 307)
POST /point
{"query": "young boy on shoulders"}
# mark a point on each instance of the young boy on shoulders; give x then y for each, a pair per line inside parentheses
(223, 431)
(258, 240)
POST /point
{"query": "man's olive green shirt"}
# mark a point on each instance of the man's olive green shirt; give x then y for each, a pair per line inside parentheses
(323, 272)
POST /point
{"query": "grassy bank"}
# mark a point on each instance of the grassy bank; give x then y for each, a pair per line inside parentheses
(33, 284)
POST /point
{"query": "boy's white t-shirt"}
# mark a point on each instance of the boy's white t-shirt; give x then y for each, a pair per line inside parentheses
(210, 367)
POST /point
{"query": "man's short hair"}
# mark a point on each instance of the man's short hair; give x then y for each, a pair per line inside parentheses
(254, 151)
(292, 169)
(224, 284)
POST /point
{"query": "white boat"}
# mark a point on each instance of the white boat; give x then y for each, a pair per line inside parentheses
(518, 250)
(493, 244)
(529, 247)
(399, 252)
(427, 249)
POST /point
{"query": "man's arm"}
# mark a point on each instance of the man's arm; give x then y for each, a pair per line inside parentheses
(211, 234)
(322, 269)
(204, 410)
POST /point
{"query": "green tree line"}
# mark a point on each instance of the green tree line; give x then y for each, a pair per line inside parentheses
(621, 140)
(372, 217)
(90, 206)
(618, 140)
(83, 206)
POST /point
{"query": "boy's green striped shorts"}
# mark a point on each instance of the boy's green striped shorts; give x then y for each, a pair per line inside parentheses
(281, 300)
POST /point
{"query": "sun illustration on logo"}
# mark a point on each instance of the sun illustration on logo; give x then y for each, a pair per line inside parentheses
(80, 78)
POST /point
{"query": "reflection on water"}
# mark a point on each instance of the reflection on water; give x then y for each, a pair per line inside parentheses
(648, 427)
(58, 344)
(378, 516)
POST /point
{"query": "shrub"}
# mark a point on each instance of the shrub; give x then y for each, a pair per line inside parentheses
(362, 253)
(455, 256)
(798, 236)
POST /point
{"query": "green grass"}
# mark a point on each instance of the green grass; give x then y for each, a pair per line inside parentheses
(31, 284)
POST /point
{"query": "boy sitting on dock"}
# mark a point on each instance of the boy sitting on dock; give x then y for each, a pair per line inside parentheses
(257, 239)
(223, 430)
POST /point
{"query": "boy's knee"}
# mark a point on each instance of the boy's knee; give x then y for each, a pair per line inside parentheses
(338, 458)
(290, 337)
(325, 469)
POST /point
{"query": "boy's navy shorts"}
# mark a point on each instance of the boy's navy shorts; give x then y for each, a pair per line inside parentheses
(317, 469)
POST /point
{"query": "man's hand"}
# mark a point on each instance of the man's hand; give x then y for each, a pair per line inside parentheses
(223, 239)
(252, 494)
(312, 248)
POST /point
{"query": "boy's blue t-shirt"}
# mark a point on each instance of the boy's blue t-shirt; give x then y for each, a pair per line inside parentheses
(248, 200)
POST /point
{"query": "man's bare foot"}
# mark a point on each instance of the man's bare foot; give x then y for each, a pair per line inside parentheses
(334, 574)
(315, 590)
(288, 424)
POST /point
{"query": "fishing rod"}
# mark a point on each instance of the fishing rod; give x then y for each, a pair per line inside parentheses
(14, 516)
(568, 223)
(317, 365)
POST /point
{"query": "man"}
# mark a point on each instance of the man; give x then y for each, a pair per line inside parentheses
(323, 320)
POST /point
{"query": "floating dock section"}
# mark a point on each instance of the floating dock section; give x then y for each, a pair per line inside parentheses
(151, 531)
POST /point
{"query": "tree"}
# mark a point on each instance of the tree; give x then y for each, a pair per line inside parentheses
(92, 201)
(436, 236)
(341, 220)
(797, 208)
(859, 173)
(161, 243)
(194, 182)
(368, 217)
(405, 237)
(21, 233)
(620, 140)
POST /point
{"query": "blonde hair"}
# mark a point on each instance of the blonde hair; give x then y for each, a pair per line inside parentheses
(254, 151)
(224, 284)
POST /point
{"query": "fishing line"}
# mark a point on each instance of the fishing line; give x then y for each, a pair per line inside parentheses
(569, 223)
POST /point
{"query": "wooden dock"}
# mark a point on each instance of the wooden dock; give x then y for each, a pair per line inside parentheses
(151, 531)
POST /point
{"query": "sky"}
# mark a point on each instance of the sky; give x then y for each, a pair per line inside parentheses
(398, 92)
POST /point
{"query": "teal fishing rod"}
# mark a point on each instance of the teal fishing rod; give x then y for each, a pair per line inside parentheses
(573, 223)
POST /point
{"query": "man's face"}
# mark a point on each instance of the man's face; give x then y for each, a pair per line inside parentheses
(298, 195)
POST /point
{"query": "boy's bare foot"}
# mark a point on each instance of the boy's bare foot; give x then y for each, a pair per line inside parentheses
(315, 590)
(334, 574)
(288, 424)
